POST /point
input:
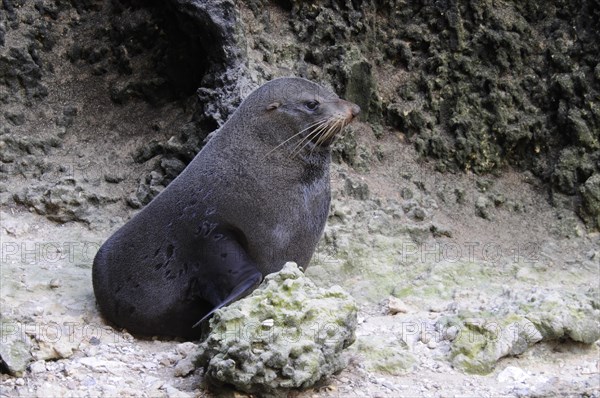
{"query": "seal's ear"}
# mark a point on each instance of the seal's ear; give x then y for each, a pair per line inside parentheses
(273, 106)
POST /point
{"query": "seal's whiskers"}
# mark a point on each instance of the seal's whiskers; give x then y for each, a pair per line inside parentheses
(340, 136)
(337, 127)
(294, 136)
(309, 137)
(327, 131)
(322, 131)
(306, 140)
(331, 131)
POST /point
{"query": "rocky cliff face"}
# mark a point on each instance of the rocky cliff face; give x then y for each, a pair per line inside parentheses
(475, 86)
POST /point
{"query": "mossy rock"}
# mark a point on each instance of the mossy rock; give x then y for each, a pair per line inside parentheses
(571, 316)
(590, 193)
(288, 334)
(15, 350)
(391, 357)
(484, 338)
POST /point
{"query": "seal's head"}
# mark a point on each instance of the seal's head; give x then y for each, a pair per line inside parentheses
(308, 115)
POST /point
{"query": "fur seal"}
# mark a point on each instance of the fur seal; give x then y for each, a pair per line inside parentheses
(256, 196)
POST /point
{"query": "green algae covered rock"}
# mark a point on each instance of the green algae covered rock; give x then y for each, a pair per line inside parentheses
(543, 315)
(384, 356)
(287, 334)
(557, 316)
(15, 350)
(590, 192)
(484, 339)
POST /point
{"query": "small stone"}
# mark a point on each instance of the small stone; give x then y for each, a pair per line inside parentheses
(127, 336)
(483, 185)
(15, 118)
(50, 390)
(153, 383)
(45, 351)
(357, 190)
(431, 344)
(102, 366)
(38, 367)
(460, 195)
(15, 348)
(439, 231)
(113, 178)
(172, 392)
(451, 333)
(172, 167)
(88, 381)
(185, 367)
(55, 283)
(268, 324)
(498, 199)
(417, 214)
(186, 348)
(63, 349)
(148, 365)
(126, 392)
(395, 306)
(406, 193)
(512, 373)
(482, 206)
(70, 110)
(438, 307)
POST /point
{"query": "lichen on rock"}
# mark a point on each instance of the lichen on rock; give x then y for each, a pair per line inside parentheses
(590, 192)
(484, 339)
(287, 334)
(543, 315)
(558, 316)
(389, 357)
(15, 350)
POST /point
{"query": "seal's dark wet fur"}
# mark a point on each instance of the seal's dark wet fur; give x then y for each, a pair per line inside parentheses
(257, 195)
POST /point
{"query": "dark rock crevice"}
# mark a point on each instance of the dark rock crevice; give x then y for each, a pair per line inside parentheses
(108, 57)
(165, 54)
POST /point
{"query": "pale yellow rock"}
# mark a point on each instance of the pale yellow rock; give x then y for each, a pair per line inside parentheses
(397, 306)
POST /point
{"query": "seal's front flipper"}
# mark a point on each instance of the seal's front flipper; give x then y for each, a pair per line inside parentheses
(244, 288)
(230, 272)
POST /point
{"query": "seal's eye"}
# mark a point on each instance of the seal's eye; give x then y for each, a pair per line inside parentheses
(312, 105)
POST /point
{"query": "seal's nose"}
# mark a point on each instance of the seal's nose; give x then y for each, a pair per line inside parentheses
(355, 109)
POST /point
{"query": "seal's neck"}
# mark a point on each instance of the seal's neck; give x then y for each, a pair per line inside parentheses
(316, 156)
(315, 164)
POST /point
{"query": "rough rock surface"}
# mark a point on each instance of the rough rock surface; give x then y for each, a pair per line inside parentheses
(590, 192)
(287, 334)
(474, 86)
(543, 315)
(572, 316)
(484, 339)
(170, 70)
(15, 350)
